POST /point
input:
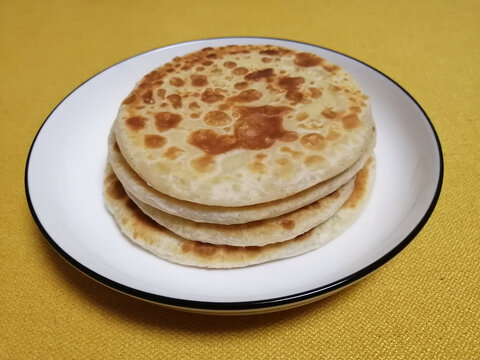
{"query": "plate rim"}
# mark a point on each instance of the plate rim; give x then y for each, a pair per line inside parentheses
(270, 304)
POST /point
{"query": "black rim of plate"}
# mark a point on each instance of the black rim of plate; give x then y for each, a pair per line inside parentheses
(278, 302)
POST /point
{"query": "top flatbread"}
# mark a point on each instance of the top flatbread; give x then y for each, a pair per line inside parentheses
(242, 125)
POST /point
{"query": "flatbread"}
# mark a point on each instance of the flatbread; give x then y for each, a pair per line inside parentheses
(145, 232)
(135, 185)
(243, 125)
(257, 233)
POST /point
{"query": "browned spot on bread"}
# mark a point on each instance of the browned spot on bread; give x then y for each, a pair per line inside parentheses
(288, 224)
(136, 122)
(335, 88)
(109, 178)
(199, 248)
(270, 52)
(302, 116)
(266, 60)
(115, 190)
(315, 93)
(224, 106)
(199, 80)
(212, 143)
(350, 121)
(331, 68)
(329, 113)
(289, 136)
(216, 118)
(212, 56)
(240, 71)
(187, 246)
(154, 141)
(241, 85)
(309, 127)
(259, 74)
(195, 115)
(199, 68)
(307, 60)
(210, 96)
(230, 64)
(291, 85)
(173, 152)
(161, 93)
(333, 135)
(315, 162)
(166, 120)
(258, 127)
(193, 105)
(175, 100)
(257, 167)
(261, 156)
(293, 153)
(203, 164)
(205, 250)
(249, 95)
(355, 109)
(147, 97)
(268, 110)
(313, 141)
(207, 62)
(283, 161)
(360, 187)
(130, 99)
(176, 81)
(152, 77)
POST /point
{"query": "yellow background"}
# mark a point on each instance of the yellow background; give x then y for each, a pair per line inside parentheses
(424, 303)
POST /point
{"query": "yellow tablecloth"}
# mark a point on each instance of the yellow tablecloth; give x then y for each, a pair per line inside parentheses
(423, 304)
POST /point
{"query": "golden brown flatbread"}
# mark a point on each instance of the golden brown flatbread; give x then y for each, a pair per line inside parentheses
(243, 124)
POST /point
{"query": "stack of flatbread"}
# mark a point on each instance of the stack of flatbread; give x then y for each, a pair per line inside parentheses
(239, 155)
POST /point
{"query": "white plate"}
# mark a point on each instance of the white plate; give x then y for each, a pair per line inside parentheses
(63, 182)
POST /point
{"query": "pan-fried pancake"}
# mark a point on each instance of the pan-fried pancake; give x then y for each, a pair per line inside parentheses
(257, 233)
(135, 185)
(243, 125)
(163, 243)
